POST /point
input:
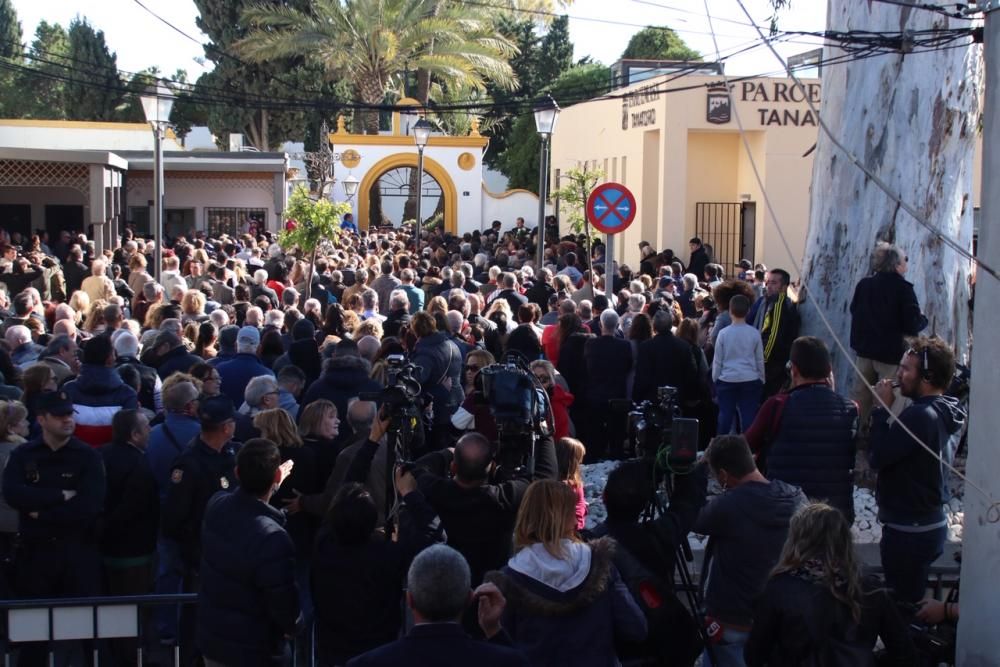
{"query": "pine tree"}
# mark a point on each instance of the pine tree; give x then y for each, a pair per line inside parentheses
(47, 59)
(10, 53)
(96, 89)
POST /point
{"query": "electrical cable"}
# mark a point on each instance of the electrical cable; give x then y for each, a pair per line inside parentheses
(882, 185)
(993, 513)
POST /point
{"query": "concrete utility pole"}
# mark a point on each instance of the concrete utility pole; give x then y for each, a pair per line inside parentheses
(978, 639)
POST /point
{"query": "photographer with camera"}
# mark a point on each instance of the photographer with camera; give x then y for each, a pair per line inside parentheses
(646, 554)
(477, 500)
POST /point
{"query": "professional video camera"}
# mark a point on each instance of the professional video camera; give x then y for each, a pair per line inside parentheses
(401, 402)
(520, 408)
(658, 432)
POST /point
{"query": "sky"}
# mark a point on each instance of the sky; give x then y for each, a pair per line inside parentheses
(141, 41)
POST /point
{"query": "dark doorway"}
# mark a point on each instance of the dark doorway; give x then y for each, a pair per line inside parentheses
(748, 231)
(718, 225)
(16, 218)
(59, 217)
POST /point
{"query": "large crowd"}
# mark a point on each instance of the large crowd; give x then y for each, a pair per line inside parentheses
(216, 426)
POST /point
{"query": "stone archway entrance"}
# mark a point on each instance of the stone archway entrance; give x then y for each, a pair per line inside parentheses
(389, 182)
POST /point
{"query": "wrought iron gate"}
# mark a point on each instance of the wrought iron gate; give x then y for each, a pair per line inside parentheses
(729, 229)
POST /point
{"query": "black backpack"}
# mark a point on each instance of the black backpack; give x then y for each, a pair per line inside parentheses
(673, 639)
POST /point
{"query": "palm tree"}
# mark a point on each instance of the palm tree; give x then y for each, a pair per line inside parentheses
(373, 42)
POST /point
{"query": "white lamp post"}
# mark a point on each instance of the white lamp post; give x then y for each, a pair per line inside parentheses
(421, 135)
(157, 102)
(546, 114)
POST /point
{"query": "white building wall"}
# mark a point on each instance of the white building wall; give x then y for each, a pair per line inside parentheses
(507, 207)
(187, 193)
(71, 135)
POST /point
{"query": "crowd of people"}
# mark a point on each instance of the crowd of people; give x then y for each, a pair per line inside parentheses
(214, 426)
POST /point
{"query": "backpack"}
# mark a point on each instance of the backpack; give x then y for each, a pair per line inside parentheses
(673, 638)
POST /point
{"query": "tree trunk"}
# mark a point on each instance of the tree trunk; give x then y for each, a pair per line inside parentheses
(372, 92)
(912, 120)
(265, 139)
(312, 269)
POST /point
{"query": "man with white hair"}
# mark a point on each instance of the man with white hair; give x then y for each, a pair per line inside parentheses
(171, 276)
(97, 285)
(24, 352)
(237, 373)
(219, 318)
(455, 323)
(177, 292)
(64, 311)
(254, 318)
(274, 318)
(369, 304)
(127, 352)
(368, 347)
(260, 288)
(399, 313)
(413, 293)
(262, 393)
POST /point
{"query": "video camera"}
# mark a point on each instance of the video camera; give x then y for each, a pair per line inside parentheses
(658, 432)
(520, 407)
(402, 403)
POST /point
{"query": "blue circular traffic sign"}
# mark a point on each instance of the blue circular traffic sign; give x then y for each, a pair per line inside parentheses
(611, 208)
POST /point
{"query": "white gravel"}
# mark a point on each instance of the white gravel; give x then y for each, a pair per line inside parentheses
(866, 529)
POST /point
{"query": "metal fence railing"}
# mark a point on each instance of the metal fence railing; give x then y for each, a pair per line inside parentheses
(100, 626)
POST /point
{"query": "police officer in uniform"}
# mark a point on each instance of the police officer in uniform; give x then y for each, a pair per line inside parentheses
(56, 483)
(207, 466)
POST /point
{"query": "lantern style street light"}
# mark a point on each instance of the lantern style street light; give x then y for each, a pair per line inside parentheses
(421, 135)
(546, 115)
(351, 186)
(157, 101)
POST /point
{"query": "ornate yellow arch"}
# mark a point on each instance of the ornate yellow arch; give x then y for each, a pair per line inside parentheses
(431, 166)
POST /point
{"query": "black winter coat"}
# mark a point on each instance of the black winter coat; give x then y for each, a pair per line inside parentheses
(480, 520)
(439, 358)
(343, 379)
(883, 311)
(664, 360)
(795, 619)
(813, 447)
(248, 599)
(608, 360)
(177, 360)
(129, 523)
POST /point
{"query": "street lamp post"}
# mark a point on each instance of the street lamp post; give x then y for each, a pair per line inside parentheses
(351, 186)
(157, 102)
(546, 114)
(421, 134)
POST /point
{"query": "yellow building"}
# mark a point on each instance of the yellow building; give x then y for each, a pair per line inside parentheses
(675, 144)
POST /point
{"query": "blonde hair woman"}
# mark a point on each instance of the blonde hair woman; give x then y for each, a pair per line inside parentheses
(79, 301)
(277, 426)
(566, 602)
(13, 432)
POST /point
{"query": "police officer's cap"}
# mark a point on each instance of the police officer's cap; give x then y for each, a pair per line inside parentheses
(54, 403)
(215, 410)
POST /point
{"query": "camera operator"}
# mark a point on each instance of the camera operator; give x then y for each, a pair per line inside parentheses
(478, 502)
(440, 375)
(647, 548)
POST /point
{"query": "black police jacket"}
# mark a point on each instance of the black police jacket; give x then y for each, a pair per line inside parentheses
(129, 524)
(198, 473)
(248, 599)
(34, 481)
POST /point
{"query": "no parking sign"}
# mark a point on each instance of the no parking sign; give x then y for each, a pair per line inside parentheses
(611, 208)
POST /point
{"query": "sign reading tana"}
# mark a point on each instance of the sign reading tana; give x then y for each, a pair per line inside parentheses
(776, 94)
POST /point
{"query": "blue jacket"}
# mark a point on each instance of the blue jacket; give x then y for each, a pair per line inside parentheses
(813, 446)
(97, 394)
(177, 360)
(237, 373)
(911, 483)
(442, 645)
(248, 599)
(162, 450)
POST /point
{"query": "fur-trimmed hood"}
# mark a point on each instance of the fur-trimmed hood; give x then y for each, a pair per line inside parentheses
(537, 598)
